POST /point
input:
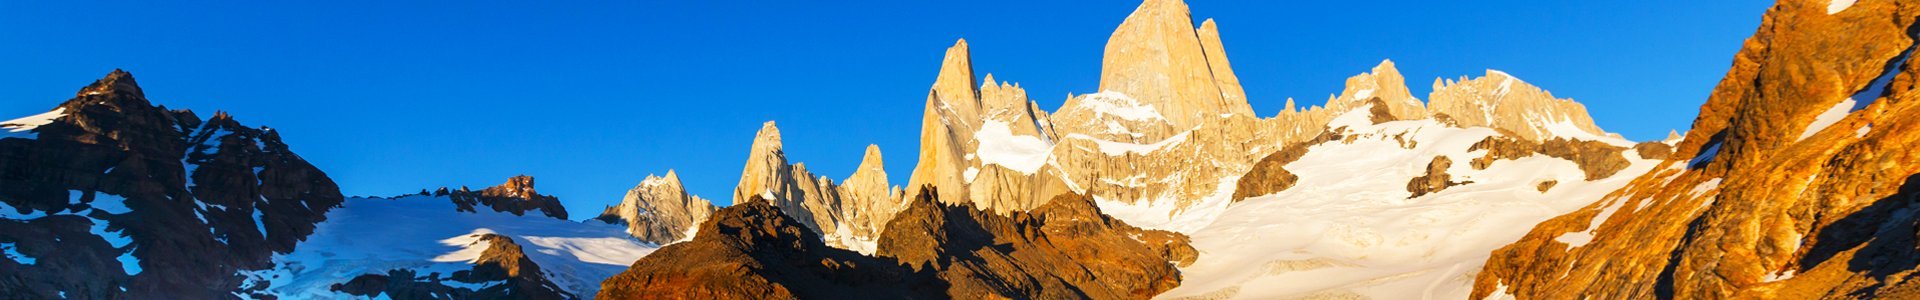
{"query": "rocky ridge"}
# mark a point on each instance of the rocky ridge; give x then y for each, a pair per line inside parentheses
(941, 250)
(516, 196)
(1794, 182)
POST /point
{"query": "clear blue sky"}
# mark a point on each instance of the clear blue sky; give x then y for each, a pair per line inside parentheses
(591, 97)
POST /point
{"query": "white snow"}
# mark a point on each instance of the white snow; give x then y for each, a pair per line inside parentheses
(1347, 226)
(1828, 117)
(1119, 105)
(1505, 85)
(1363, 95)
(1835, 6)
(1581, 238)
(1778, 276)
(1563, 127)
(373, 235)
(999, 146)
(24, 126)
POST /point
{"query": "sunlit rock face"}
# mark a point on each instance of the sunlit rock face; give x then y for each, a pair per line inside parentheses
(1796, 181)
(659, 210)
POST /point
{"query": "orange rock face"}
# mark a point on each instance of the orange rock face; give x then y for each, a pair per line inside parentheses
(1764, 198)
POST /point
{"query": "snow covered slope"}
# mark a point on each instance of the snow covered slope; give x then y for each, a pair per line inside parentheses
(428, 234)
(1350, 228)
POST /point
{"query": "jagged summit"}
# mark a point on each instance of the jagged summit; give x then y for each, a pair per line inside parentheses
(659, 210)
(1384, 82)
(116, 82)
(1158, 56)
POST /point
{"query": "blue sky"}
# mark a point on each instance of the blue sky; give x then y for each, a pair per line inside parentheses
(591, 97)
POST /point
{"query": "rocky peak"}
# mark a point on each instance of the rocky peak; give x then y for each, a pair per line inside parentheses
(1217, 60)
(955, 84)
(517, 186)
(1156, 55)
(1499, 100)
(768, 176)
(868, 201)
(117, 83)
(765, 162)
(659, 210)
(1385, 83)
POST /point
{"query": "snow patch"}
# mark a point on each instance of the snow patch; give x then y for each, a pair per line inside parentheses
(1778, 276)
(1581, 238)
(24, 126)
(1835, 6)
(999, 146)
(1119, 105)
(1828, 117)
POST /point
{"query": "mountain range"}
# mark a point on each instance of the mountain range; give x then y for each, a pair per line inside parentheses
(1161, 182)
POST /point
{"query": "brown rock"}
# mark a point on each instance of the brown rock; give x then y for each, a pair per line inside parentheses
(1435, 180)
(1269, 175)
(1064, 249)
(516, 196)
(752, 250)
(1653, 150)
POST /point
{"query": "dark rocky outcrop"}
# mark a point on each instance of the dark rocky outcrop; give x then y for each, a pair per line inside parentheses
(121, 199)
(502, 272)
(1435, 180)
(1597, 159)
(516, 196)
(1653, 150)
(931, 250)
(1065, 249)
(1269, 175)
(753, 251)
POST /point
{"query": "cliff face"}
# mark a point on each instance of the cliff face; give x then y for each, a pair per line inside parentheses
(1795, 181)
(1158, 57)
(108, 196)
(659, 210)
